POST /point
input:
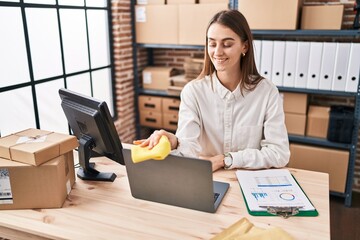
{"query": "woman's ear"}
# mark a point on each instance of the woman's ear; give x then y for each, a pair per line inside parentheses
(245, 46)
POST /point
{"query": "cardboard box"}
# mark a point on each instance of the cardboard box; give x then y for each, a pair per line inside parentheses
(150, 103)
(150, 2)
(295, 123)
(324, 17)
(295, 102)
(317, 121)
(170, 121)
(181, 2)
(170, 105)
(193, 21)
(331, 161)
(271, 14)
(25, 186)
(34, 146)
(157, 24)
(151, 119)
(157, 77)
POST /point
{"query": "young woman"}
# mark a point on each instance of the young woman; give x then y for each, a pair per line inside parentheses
(230, 114)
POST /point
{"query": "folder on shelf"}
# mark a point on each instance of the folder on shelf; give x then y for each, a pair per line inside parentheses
(290, 63)
(327, 65)
(257, 53)
(302, 64)
(266, 58)
(341, 66)
(278, 63)
(315, 54)
(352, 77)
(274, 192)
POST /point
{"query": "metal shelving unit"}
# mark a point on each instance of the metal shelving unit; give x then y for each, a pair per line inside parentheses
(320, 35)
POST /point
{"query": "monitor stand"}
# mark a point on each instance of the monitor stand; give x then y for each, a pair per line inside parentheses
(86, 170)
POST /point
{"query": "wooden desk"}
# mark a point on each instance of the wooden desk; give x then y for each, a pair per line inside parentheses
(104, 210)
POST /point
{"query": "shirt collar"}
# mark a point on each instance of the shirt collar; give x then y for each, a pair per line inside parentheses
(223, 92)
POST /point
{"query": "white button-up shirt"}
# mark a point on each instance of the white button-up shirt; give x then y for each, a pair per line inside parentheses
(214, 120)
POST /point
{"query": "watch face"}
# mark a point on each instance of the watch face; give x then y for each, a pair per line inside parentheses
(228, 161)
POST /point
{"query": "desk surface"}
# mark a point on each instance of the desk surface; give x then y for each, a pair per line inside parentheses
(104, 210)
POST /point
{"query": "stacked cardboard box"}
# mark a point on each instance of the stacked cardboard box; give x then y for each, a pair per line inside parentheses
(178, 22)
(295, 107)
(317, 121)
(36, 169)
(193, 67)
(158, 78)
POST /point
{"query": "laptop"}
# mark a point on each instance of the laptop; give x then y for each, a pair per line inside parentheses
(178, 181)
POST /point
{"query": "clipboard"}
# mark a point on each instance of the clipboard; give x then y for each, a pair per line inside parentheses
(284, 212)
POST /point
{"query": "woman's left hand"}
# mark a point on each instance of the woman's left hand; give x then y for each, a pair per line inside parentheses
(217, 161)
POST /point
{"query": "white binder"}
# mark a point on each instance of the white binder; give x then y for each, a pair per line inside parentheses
(327, 65)
(290, 64)
(266, 58)
(257, 53)
(352, 77)
(302, 64)
(278, 63)
(341, 66)
(316, 49)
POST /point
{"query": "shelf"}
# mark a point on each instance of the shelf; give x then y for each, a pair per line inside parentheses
(319, 142)
(281, 89)
(306, 33)
(170, 46)
(317, 91)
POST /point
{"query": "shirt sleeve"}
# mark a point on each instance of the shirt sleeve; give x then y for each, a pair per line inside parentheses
(274, 147)
(189, 125)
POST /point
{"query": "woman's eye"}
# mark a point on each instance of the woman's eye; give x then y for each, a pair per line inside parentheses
(227, 45)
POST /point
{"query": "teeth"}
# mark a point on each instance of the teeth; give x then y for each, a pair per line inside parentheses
(220, 60)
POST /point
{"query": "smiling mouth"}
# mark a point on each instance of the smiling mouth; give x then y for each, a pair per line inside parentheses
(220, 60)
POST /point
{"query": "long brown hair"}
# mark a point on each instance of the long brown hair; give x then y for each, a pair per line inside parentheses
(236, 21)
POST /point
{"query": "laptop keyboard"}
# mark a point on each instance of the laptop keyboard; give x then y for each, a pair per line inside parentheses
(216, 195)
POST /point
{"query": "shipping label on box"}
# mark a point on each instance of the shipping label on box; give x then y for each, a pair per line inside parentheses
(34, 146)
(23, 186)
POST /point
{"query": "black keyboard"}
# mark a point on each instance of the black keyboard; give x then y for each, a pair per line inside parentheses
(216, 195)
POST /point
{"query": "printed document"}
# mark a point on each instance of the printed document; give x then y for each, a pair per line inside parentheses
(272, 188)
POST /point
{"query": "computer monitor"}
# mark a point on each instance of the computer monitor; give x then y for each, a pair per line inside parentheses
(92, 124)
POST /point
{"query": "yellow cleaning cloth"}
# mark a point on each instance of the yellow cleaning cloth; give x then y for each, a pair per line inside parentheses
(245, 230)
(158, 152)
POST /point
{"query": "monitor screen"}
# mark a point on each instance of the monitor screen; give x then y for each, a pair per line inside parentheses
(92, 124)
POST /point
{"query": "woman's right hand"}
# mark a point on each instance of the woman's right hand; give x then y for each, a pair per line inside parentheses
(155, 137)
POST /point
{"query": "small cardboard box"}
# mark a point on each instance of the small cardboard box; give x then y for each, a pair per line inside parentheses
(157, 24)
(317, 121)
(324, 17)
(295, 102)
(157, 77)
(170, 121)
(193, 21)
(150, 103)
(34, 146)
(331, 161)
(151, 119)
(271, 14)
(295, 123)
(170, 105)
(24, 186)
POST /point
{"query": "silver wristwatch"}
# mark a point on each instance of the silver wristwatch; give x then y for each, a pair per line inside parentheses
(228, 160)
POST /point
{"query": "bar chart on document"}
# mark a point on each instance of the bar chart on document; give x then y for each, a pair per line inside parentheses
(275, 188)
